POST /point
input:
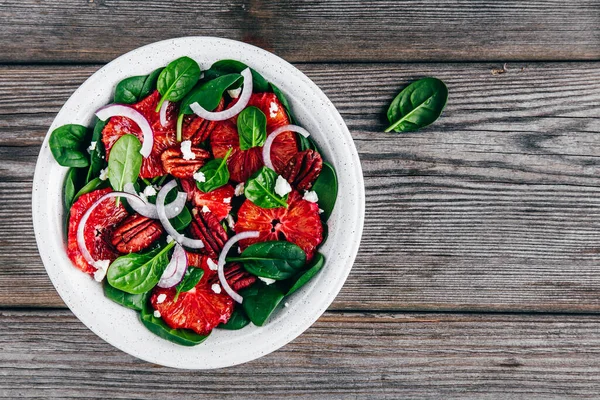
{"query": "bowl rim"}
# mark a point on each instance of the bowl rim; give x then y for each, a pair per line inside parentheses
(61, 281)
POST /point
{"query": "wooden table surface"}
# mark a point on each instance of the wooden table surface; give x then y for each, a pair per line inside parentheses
(478, 273)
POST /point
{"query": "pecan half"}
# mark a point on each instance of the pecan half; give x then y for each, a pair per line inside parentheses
(206, 227)
(198, 129)
(237, 277)
(136, 233)
(303, 169)
(174, 163)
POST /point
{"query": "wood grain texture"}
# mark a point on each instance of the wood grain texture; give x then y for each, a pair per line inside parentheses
(494, 207)
(343, 356)
(311, 30)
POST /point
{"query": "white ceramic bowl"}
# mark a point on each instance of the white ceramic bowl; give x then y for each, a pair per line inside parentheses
(120, 326)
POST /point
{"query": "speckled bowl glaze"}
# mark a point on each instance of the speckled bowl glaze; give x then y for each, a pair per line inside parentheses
(121, 327)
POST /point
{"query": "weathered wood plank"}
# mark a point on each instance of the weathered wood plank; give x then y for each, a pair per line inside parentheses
(312, 30)
(343, 356)
(495, 207)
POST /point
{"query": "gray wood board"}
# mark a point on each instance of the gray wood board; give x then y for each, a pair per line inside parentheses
(310, 31)
(494, 207)
(342, 356)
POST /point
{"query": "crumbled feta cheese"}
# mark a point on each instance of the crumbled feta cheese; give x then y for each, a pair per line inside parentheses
(282, 187)
(311, 195)
(169, 238)
(161, 298)
(212, 265)
(227, 200)
(186, 150)
(239, 189)
(92, 147)
(99, 275)
(216, 288)
(199, 176)
(149, 191)
(230, 222)
(205, 209)
(104, 174)
(321, 211)
(234, 93)
(239, 250)
(156, 313)
(286, 304)
(102, 264)
(273, 108)
(268, 281)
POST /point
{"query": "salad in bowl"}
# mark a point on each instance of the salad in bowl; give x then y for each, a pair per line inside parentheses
(195, 198)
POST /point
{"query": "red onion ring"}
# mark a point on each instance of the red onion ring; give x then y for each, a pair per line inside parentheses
(162, 216)
(147, 209)
(266, 151)
(81, 227)
(163, 113)
(120, 110)
(230, 112)
(221, 264)
(175, 269)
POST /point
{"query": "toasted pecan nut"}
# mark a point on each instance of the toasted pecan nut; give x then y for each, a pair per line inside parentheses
(198, 129)
(303, 169)
(206, 227)
(174, 163)
(136, 233)
(237, 277)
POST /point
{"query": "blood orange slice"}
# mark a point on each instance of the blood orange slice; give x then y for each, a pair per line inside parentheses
(299, 223)
(218, 201)
(98, 229)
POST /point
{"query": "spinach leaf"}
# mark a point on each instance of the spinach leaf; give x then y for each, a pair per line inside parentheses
(252, 128)
(259, 84)
(216, 174)
(124, 162)
(136, 273)
(260, 189)
(238, 320)
(260, 301)
(184, 337)
(92, 185)
(181, 221)
(133, 89)
(284, 101)
(315, 266)
(208, 94)
(70, 188)
(133, 301)
(97, 155)
(68, 146)
(275, 260)
(418, 105)
(190, 280)
(177, 79)
(326, 187)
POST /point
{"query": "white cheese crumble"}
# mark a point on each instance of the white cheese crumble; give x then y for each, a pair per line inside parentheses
(239, 250)
(282, 187)
(239, 189)
(161, 298)
(273, 108)
(199, 176)
(104, 174)
(321, 211)
(230, 222)
(92, 147)
(268, 281)
(169, 238)
(212, 265)
(286, 304)
(311, 195)
(216, 288)
(205, 209)
(99, 275)
(234, 93)
(186, 150)
(149, 191)
(156, 313)
(227, 200)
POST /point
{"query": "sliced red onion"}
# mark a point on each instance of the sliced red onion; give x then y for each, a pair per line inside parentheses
(81, 227)
(175, 269)
(162, 216)
(228, 245)
(163, 113)
(230, 112)
(147, 209)
(266, 151)
(120, 110)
